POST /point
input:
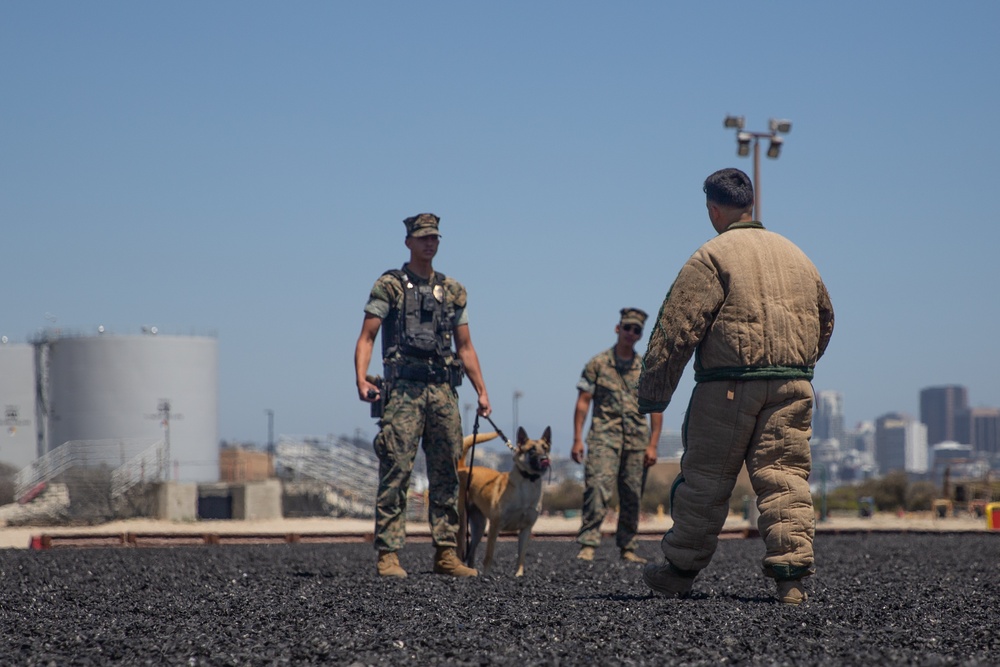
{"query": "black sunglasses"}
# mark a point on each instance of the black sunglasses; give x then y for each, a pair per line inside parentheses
(633, 329)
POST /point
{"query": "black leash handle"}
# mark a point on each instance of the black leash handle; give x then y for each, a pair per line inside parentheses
(496, 428)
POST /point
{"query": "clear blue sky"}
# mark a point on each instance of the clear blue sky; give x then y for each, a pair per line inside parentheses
(243, 168)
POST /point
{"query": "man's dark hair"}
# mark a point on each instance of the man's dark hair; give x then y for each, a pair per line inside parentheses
(729, 187)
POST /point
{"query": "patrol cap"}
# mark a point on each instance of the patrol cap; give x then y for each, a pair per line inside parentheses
(633, 316)
(425, 224)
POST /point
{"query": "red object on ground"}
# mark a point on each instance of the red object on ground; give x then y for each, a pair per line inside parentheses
(993, 516)
(32, 494)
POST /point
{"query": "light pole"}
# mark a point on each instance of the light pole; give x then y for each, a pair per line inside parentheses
(270, 430)
(164, 414)
(777, 127)
(517, 397)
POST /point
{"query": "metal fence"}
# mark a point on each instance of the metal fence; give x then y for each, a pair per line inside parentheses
(96, 472)
(349, 472)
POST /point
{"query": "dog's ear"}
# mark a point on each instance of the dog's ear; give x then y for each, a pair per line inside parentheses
(547, 437)
(522, 436)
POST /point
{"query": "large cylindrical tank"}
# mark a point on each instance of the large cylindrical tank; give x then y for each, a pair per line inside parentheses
(18, 437)
(150, 386)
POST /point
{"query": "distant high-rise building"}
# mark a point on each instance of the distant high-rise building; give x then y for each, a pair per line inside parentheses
(944, 410)
(900, 444)
(863, 438)
(828, 418)
(984, 427)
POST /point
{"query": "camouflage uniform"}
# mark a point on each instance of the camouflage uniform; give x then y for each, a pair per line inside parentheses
(616, 445)
(416, 410)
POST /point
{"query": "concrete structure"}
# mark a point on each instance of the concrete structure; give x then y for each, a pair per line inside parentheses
(18, 437)
(150, 386)
(176, 501)
(250, 501)
(255, 501)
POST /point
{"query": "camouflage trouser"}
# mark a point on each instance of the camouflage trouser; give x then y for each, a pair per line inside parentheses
(606, 466)
(416, 411)
(767, 424)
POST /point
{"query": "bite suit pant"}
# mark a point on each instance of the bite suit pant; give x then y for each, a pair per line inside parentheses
(766, 424)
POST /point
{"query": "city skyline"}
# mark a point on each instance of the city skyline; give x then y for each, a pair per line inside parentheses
(949, 439)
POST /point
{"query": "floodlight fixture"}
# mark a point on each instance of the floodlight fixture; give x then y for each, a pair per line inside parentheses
(743, 143)
(734, 121)
(780, 125)
(774, 148)
(746, 138)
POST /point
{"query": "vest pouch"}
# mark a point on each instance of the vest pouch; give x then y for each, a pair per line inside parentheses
(456, 372)
(421, 342)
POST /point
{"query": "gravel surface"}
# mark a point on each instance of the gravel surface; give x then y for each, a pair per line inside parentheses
(910, 599)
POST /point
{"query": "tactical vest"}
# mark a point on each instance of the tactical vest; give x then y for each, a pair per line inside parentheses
(423, 327)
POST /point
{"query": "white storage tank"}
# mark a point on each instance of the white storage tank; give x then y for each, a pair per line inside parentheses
(18, 437)
(139, 387)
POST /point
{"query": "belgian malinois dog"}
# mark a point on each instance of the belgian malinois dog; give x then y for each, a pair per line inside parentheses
(510, 502)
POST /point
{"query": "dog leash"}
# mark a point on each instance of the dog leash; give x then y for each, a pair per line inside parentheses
(468, 480)
(468, 495)
(496, 428)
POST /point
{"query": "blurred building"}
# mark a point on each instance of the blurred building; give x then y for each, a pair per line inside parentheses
(238, 465)
(944, 410)
(984, 427)
(828, 417)
(863, 439)
(19, 438)
(149, 386)
(900, 444)
(945, 454)
(111, 399)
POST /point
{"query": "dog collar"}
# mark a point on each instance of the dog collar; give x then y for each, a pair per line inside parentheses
(526, 475)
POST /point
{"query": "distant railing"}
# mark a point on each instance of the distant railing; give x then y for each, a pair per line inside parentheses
(112, 454)
(151, 464)
(350, 473)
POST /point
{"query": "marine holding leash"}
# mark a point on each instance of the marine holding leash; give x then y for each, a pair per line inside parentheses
(426, 351)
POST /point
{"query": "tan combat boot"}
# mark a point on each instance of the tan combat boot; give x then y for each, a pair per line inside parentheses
(446, 562)
(388, 565)
(586, 553)
(791, 591)
(631, 556)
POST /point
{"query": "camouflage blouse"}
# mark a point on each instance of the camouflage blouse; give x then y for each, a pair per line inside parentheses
(615, 420)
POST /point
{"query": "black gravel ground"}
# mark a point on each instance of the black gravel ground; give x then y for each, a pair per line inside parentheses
(913, 599)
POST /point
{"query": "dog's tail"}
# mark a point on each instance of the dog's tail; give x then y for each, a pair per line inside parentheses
(467, 444)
